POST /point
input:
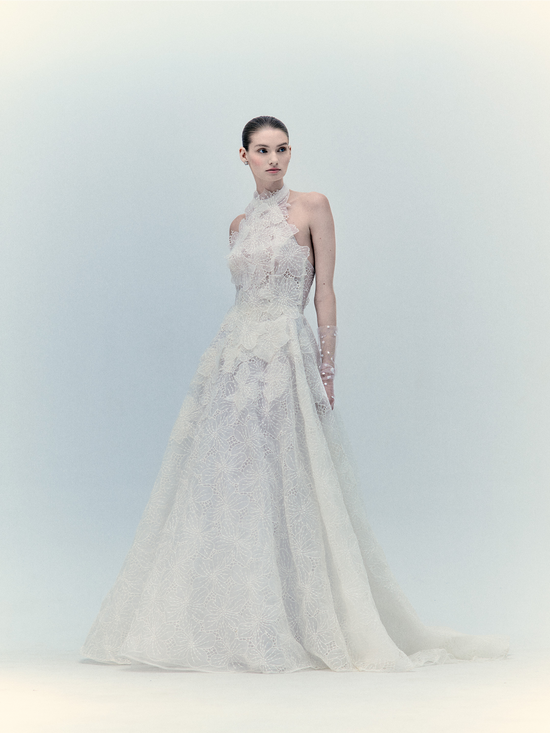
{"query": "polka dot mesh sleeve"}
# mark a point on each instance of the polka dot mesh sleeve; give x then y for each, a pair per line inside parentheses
(327, 346)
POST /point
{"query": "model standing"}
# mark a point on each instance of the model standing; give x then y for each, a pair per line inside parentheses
(254, 553)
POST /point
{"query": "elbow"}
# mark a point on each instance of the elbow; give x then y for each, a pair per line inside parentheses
(326, 295)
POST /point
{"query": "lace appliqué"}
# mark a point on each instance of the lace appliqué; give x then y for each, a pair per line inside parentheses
(254, 552)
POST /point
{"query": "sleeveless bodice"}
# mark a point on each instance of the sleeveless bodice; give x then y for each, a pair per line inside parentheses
(270, 270)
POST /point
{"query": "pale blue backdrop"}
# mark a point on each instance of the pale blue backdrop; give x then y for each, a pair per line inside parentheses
(427, 126)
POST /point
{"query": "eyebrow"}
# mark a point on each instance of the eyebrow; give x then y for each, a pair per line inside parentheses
(261, 145)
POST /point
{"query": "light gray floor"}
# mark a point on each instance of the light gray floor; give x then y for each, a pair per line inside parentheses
(57, 692)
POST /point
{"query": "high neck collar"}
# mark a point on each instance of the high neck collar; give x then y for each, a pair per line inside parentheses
(271, 197)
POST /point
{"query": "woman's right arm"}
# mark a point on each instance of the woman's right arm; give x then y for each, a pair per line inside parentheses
(234, 226)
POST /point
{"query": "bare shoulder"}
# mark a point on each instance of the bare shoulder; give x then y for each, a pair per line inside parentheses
(235, 224)
(312, 200)
(318, 200)
(312, 211)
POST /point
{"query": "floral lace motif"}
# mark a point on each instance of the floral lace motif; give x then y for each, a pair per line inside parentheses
(254, 552)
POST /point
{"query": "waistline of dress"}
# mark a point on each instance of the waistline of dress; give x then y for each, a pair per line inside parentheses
(268, 312)
(258, 332)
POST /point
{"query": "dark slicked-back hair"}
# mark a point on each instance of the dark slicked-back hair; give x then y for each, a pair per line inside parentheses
(258, 123)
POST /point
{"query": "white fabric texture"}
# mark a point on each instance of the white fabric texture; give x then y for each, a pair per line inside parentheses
(254, 553)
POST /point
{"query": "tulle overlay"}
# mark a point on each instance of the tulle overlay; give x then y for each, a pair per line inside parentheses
(254, 553)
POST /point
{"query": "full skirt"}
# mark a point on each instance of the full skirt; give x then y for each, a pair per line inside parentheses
(254, 552)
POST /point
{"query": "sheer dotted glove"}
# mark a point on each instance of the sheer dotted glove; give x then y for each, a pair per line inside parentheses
(327, 342)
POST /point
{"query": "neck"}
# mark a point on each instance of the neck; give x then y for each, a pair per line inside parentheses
(269, 188)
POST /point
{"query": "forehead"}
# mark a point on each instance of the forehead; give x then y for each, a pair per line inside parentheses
(269, 136)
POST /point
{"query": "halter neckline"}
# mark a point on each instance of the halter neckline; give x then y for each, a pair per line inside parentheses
(271, 196)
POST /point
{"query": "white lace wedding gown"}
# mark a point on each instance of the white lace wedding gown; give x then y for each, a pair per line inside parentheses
(254, 553)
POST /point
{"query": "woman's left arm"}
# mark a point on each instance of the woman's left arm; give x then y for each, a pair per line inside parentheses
(323, 238)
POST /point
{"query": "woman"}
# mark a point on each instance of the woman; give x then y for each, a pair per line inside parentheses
(254, 553)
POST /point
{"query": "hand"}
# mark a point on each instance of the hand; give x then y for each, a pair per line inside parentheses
(329, 389)
(327, 377)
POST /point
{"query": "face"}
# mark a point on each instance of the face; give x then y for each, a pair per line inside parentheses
(268, 156)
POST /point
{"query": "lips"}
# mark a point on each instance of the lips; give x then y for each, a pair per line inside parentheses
(273, 169)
